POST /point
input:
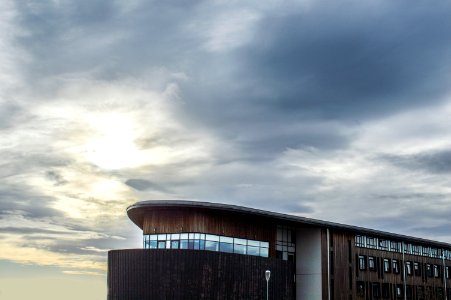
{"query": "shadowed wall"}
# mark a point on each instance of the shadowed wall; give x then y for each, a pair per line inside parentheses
(190, 274)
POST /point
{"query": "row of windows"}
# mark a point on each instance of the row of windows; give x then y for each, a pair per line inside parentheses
(385, 290)
(396, 246)
(394, 265)
(210, 242)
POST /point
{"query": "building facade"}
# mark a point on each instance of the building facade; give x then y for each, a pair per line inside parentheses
(201, 250)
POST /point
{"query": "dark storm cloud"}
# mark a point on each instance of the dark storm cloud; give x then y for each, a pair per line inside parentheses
(438, 162)
(142, 185)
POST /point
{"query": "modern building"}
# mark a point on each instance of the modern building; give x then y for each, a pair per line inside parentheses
(201, 250)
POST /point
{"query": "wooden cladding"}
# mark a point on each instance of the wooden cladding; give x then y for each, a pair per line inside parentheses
(351, 281)
(188, 274)
(207, 221)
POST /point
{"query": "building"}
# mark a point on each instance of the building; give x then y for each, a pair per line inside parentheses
(201, 250)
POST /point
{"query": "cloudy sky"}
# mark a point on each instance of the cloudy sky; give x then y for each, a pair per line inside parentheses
(337, 110)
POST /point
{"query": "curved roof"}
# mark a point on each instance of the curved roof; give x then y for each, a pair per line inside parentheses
(136, 212)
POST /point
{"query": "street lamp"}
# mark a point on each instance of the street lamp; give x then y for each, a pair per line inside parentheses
(267, 275)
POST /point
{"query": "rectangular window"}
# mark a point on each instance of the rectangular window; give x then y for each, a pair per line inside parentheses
(371, 242)
(399, 291)
(153, 244)
(371, 263)
(426, 251)
(428, 270)
(376, 290)
(211, 245)
(264, 252)
(226, 247)
(436, 271)
(360, 286)
(416, 269)
(383, 244)
(161, 244)
(360, 240)
(386, 291)
(447, 272)
(395, 266)
(251, 250)
(409, 268)
(362, 262)
(417, 250)
(240, 249)
(408, 248)
(387, 268)
(409, 292)
(395, 246)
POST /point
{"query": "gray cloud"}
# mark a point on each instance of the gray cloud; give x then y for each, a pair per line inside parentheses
(438, 162)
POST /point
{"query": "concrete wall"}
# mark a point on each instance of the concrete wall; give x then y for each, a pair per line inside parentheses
(308, 264)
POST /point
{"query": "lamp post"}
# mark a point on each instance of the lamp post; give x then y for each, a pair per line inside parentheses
(267, 275)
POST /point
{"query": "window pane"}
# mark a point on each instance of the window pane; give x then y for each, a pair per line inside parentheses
(197, 244)
(191, 236)
(210, 237)
(226, 247)
(168, 244)
(264, 244)
(253, 243)
(240, 241)
(183, 244)
(174, 244)
(153, 237)
(184, 236)
(162, 237)
(153, 244)
(253, 250)
(241, 249)
(211, 245)
(225, 239)
(264, 252)
(175, 236)
(161, 245)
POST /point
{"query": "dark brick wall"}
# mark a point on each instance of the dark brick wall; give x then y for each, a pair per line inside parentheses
(141, 274)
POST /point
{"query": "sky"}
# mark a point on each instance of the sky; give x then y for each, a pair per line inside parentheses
(335, 110)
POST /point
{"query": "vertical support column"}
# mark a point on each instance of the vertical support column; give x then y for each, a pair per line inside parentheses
(308, 264)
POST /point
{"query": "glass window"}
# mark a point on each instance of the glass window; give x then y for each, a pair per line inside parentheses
(183, 244)
(264, 252)
(251, 250)
(428, 270)
(226, 247)
(161, 244)
(436, 271)
(174, 244)
(264, 244)
(191, 236)
(175, 236)
(162, 237)
(253, 243)
(362, 262)
(240, 249)
(168, 244)
(376, 290)
(387, 268)
(416, 269)
(210, 237)
(225, 239)
(153, 237)
(383, 244)
(371, 263)
(409, 268)
(371, 242)
(360, 241)
(447, 272)
(211, 245)
(184, 236)
(153, 245)
(395, 266)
